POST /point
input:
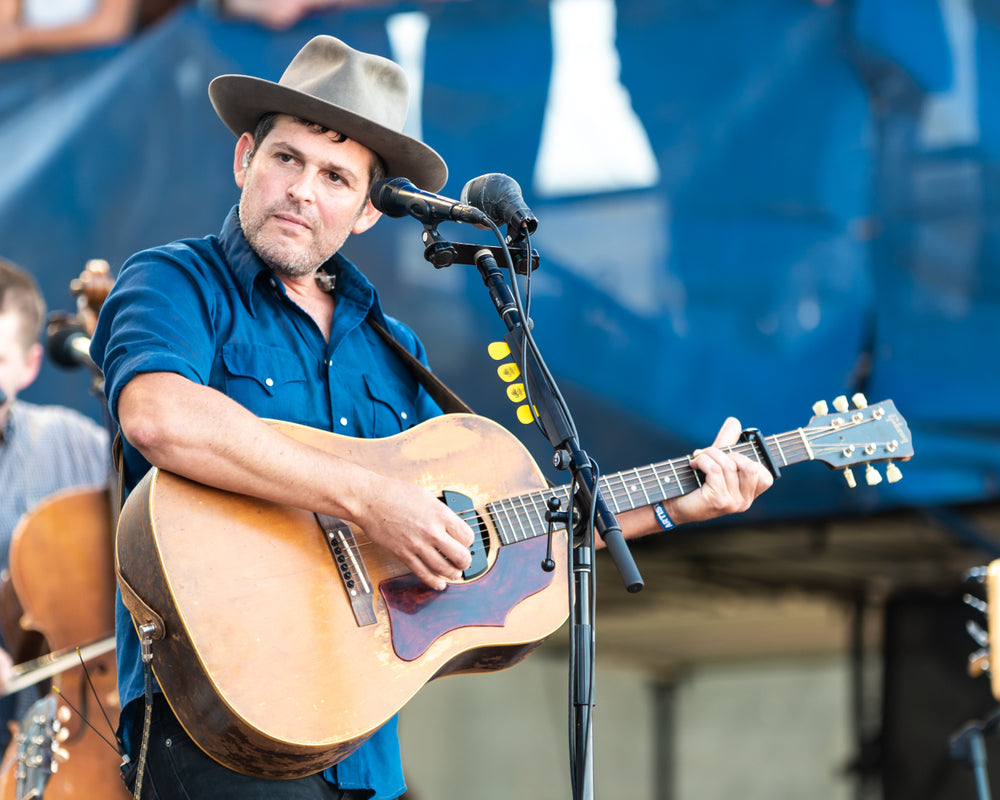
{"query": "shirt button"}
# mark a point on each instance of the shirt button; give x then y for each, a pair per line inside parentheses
(268, 382)
(343, 421)
(403, 414)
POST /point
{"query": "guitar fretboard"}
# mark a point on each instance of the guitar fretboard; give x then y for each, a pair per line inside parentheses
(523, 517)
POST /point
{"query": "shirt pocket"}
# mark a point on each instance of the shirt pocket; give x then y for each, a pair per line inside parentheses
(390, 412)
(269, 381)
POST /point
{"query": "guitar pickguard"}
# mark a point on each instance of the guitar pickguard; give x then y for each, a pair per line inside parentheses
(418, 615)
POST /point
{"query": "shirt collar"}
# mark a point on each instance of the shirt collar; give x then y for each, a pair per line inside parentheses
(10, 426)
(352, 285)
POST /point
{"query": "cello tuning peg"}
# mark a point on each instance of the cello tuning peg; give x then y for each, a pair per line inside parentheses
(849, 477)
(63, 714)
(498, 350)
(872, 476)
(893, 473)
(820, 408)
(859, 400)
(840, 403)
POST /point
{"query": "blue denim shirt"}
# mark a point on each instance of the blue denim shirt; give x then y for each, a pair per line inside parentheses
(210, 310)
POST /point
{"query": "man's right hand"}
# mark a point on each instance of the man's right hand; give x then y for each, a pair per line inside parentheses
(420, 530)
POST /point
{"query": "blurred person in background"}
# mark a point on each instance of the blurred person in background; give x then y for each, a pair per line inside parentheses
(38, 27)
(43, 448)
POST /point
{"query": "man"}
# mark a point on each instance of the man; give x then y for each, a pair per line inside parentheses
(42, 448)
(200, 339)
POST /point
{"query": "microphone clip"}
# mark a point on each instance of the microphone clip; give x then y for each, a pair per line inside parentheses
(437, 251)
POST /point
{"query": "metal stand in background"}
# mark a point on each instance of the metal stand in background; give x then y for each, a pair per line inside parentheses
(587, 505)
(969, 745)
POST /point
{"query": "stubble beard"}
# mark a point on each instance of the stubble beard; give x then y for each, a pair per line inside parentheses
(282, 258)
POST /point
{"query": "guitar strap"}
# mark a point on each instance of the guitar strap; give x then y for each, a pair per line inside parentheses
(449, 402)
(135, 604)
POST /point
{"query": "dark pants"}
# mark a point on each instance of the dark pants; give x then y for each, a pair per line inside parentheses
(177, 769)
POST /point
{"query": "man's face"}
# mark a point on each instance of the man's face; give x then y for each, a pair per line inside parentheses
(303, 194)
(19, 363)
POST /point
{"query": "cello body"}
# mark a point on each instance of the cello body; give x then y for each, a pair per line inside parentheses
(62, 569)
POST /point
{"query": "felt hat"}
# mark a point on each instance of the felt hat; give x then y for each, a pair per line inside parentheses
(360, 95)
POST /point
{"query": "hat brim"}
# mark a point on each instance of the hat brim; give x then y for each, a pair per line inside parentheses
(241, 100)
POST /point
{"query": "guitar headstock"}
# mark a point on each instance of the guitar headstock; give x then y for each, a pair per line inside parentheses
(39, 751)
(865, 434)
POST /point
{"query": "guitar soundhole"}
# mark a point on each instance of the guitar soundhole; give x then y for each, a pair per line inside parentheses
(480, 548)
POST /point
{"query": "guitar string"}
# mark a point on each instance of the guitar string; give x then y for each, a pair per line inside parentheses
(524, 514)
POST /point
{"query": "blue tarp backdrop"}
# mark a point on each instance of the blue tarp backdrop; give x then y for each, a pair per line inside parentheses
(744, 206)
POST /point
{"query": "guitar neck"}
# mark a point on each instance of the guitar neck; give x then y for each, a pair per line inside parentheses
(523, 517)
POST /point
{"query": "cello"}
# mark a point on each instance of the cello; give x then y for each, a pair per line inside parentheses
(62, 572)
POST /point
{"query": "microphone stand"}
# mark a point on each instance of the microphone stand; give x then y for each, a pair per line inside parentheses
(968, 745)
(587, 503)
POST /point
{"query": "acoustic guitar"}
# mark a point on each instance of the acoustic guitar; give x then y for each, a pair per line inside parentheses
(288, 638)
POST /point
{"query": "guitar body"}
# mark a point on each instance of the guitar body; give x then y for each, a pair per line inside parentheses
(265, 661)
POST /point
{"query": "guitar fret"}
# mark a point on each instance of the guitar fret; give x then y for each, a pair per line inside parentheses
(777, 444)
(805, 443)
(659, 482)
(642, 486)
(506, 531)
(677, 477)
(614, 497)
(521, 517)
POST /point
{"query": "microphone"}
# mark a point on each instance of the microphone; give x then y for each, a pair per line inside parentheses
(69, 348)
(397, 197)
(500, 197)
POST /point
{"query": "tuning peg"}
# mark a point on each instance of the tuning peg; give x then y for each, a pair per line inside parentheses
(974, 602)
(979, 636)
(872, 477)
(508, 372)
(859, 400)
(498, 350)
(62, 734)
(820, 408)
(977, 574)
(516, 393)
(892, 472)
(59, 756)
(63, 714)
(849, 477)
(840, 403)
(979, 662)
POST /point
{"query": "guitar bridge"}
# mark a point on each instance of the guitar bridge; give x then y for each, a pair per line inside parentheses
(351, 568)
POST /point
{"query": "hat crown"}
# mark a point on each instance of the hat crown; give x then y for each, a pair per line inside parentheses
(362, 83)
(360, 95)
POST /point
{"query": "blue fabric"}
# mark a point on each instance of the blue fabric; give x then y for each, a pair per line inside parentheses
(210, 310)
(822, 217)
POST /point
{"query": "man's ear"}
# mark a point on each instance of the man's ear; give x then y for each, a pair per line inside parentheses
(241, 158)
(32, 365)
(369, 216)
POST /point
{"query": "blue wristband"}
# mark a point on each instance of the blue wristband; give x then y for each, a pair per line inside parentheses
(663, 517)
